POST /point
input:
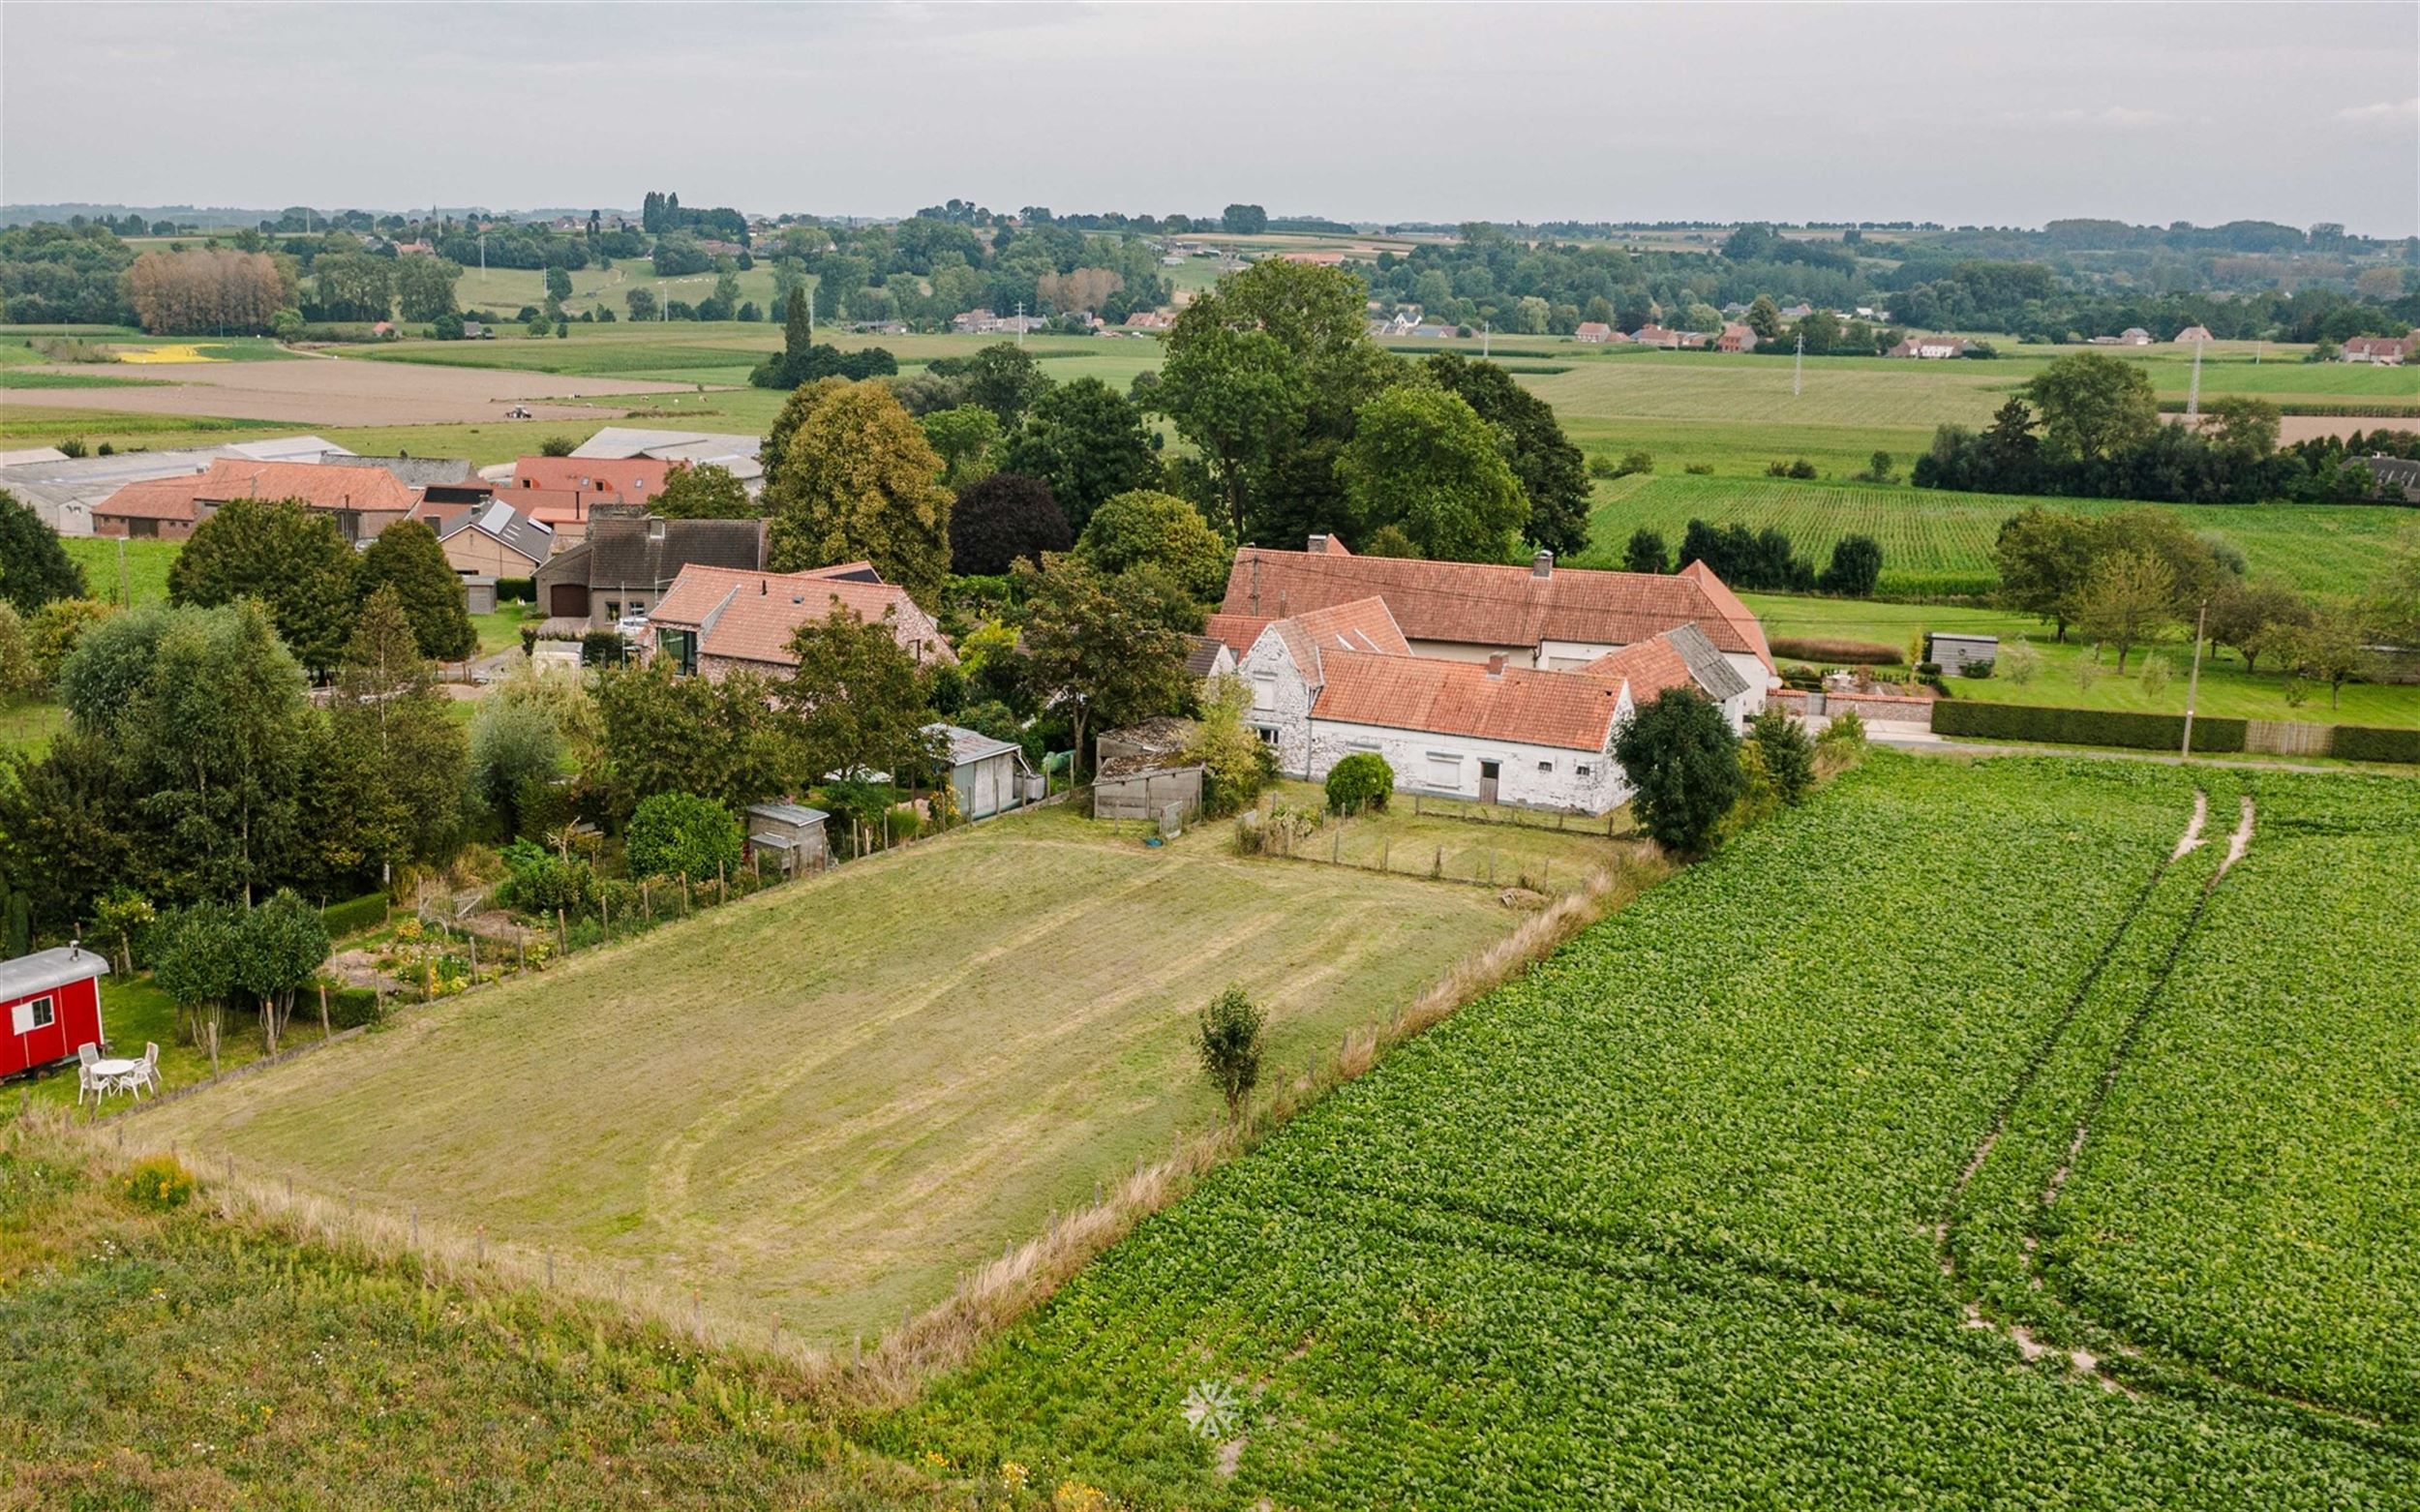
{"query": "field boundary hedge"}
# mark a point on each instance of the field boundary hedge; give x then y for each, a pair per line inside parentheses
(2212, 735)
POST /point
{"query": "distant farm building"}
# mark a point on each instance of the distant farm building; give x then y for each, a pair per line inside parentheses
(1737, 338)
(1929, 348)
(2194, 336)
(630, 560)
(716, 620)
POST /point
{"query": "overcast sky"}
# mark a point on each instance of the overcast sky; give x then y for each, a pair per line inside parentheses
(1959, 113)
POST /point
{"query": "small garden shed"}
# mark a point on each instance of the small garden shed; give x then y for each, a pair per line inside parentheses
(52, 999)
(1954, 654)
(790, 836)
(988, 774)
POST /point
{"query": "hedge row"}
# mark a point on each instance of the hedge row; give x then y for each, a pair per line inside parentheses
(2212, 735)
(523, 590)
(354, 914)
(2362, 742)
(1854, 654)
(2084, 726)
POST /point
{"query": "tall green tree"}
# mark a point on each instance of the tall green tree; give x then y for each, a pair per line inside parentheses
(1087, 441)
(2043, 557)
(286, 556)
(1148, 529)
(1423, 460)
(1682, 763)
(1104, 649)
(1265, 374)
(1228, 1041)
(1765, 318)
(723, 739)
(279, 947)
(1006, 379)
(214, 736)
(680, 834)
(703, 492)
(408, 560)
(859, 481)
(857, 701)
(403, 758)
(1000, 519)
(1646, 552)
(967, 439)
(34, 568)
(2094, 405)
(2127, 599)
(1552, 473)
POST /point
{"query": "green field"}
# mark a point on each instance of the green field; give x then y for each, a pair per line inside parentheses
(2227, 687)
(1659, 1223)
(30, 726)
(123, 571)
(830, 1101)
(1938, 543)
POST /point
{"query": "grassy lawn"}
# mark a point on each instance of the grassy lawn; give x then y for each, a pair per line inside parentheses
(30, 726)
(2227, 687)
(828, 1100)
(28, 426)
(1460, 842)
(502, 629)
(143, 577)
(1938, 543)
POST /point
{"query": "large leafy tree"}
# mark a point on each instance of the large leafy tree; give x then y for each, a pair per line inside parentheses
(965, 436)
(666, 733)
(399, 757)
(34, 568)
(2129, 599)
(1682, 763)
(2043, 557)
(1087, 441)
(278, 948)
(860, 481)
(1148, 529)
(214, 736)
(858, 700)
(1265, 375)
(703, 492)
(2094, 405)
(1106, 650)
(1002, 519)
(408, 560)
(1422, 459)
(1006, 379)
(1553, 475)
(286, 556)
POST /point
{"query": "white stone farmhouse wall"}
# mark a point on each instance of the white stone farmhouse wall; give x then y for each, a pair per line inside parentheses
(1531, 776)
(1280, 699)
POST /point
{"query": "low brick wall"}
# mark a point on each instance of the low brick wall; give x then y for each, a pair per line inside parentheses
(1872, 707)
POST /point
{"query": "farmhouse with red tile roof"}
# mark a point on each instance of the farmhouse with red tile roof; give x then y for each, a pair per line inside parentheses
(716, 620)
(1344, 678)
(361, 500)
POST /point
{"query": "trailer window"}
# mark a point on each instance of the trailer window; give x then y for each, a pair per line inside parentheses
(36, 1015)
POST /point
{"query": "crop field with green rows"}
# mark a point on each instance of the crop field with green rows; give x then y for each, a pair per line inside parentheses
(1662, 1223)
(1938, 543)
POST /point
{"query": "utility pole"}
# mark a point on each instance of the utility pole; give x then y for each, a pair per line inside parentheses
(1798, 367)
(2193, 395)
(1021, 322)
(1483, 337)
(2193, 683)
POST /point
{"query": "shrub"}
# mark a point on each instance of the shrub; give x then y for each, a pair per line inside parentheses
(1787, 755)
(2019, 661)
(1831, 652)
(1635, 462)
(904, 824)
(516, 590)
(540, 881)
(354, 914)
(603, 648)
(1847, 728)
(1361, 780)
(352, 1007)
(159, 1182)
(557, 447)
(1700, 470)
(680, 834)
(1982, 669)
(1229, 1040)
(1601, 466)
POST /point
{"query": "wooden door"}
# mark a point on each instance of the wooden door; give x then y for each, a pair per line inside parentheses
(1489, 771)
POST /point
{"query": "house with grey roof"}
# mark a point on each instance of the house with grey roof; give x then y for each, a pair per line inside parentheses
(631, 558)
(494, 540)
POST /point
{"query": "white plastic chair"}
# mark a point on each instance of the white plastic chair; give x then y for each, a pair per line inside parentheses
(85, 1081)
(147, 1074)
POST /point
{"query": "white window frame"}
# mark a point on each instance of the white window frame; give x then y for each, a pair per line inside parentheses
(24, 1015)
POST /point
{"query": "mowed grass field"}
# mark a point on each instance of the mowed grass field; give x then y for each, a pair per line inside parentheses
(1661, 1223)
(2227, 687)
(132, 573)
(828, 1100)
(1936, 542)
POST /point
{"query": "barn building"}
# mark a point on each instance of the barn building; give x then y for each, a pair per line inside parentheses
(53, 1002)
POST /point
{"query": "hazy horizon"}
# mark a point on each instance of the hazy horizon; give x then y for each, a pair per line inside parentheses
(1989, 115)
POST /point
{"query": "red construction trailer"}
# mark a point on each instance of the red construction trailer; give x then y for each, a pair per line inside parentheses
(52, 1000)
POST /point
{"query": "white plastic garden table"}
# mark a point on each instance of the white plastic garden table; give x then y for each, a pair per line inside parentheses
(111, 1075)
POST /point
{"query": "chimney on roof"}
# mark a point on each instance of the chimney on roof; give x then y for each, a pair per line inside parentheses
(1542, 564)
(1318, 544)
(1495, 665)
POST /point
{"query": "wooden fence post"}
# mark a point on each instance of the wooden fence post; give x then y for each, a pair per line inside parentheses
(1437, 867)
(324, 1031)
(1386, 847)
(563, 934)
